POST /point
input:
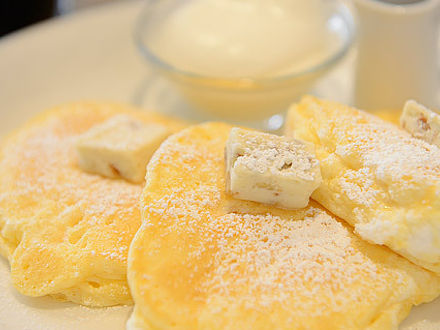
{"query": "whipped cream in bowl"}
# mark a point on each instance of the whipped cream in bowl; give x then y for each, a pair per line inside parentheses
(243, 60)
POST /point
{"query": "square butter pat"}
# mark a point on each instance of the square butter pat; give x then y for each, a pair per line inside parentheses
(421, 122)
(270, 169)
(120, 147)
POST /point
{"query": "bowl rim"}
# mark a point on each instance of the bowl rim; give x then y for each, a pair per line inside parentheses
(414, 8)
(157, 63)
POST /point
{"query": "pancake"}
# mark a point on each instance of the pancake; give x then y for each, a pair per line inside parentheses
(66, 233)
(376, 176)
(204, 260)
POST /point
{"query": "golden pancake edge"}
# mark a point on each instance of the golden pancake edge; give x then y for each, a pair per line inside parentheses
(65, 232)
(376, 176)
(202, 260)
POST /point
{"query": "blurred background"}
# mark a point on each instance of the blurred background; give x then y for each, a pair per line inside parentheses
(15, 14)
(48, 64)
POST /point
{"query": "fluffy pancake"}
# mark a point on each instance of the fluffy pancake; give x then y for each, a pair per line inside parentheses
(375, 176)
(66, 233)
(203, 260)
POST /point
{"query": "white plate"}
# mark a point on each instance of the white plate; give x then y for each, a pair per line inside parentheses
(91, 55)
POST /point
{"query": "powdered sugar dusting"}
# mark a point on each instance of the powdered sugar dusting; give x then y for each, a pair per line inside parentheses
(278, 259)
(273, 257)
(376, 176)
(88, 221)
(260, 259)
(378, 149)
(359, 186)
(262, 152)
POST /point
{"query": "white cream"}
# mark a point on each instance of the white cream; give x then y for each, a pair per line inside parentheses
(243, 38)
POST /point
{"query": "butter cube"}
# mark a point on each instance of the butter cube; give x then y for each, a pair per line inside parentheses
(421, 122)
(270, 169)
(120, 147)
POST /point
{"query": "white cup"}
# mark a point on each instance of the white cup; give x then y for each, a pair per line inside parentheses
(398, 53)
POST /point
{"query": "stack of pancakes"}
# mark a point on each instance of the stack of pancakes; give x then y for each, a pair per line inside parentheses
(201, 259)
